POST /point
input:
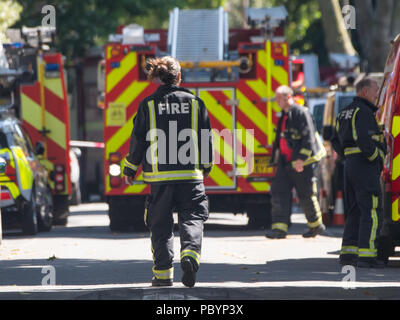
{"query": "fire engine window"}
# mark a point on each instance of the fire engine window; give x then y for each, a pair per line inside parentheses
(3, 140)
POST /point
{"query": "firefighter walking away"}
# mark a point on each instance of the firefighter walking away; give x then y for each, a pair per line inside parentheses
(172, 140)
(359, 140)
(296, 153)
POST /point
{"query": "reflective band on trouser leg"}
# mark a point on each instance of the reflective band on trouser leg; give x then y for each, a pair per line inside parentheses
(164, 274)
(195, 112)
(317, 210)
(173, 175)
(367, 253)
(374, 218)
(153, 141)
(192, 254)
(280, 226)
(349, 250)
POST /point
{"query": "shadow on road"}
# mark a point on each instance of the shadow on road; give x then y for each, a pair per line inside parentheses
(99, 272)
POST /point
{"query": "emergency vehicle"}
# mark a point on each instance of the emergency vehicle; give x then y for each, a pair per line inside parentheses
(39, 100)
(234, 71)
(388, 117)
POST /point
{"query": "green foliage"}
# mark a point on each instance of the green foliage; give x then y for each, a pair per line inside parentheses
(9, 13)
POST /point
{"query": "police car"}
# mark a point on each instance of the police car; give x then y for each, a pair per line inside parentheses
(26, 199)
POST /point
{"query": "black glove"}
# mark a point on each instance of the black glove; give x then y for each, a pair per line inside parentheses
(129, 172)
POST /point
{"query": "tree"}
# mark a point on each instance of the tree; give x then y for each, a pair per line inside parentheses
(377, 24)
(9, 13)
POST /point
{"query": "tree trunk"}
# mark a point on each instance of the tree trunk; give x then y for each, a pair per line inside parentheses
(374, 27)
(337, 39)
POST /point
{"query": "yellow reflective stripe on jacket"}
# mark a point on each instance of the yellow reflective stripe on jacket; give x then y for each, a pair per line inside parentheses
(318, 156)
(349, 250)
(195, 112)
(378, 137)
(280, 226)
(374, 218)
(191, 253)
(164, 274)
(353, 150)
(130, 165)
(173, 175)
(374, 155)
(153, 141)
(353, 122)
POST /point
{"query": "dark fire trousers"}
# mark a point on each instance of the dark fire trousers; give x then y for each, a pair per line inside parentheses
(363, 204)
(281, 191)
(191, 203)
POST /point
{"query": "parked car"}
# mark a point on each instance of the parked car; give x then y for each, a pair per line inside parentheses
(26, 199)
(74, 155)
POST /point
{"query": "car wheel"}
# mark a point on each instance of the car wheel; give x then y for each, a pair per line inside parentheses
(45, 212)
(29, 217)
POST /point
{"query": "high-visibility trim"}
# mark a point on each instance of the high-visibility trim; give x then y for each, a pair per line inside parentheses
(164, 274)
(306, 152)
(173, 175)
(315, 223)
(25, 174)
(192, 254)
(207, 165)
(145, 217)
(353, 122)
(395, 126)
(353, 150)
(367, 253)
(377, 137)
(153, 141)
(318, 156)
(374, 155)
(280, 226)
(317, 209)
(349, 250)
(195, 116)
(130, 165)
(396, 167)
(374, 217)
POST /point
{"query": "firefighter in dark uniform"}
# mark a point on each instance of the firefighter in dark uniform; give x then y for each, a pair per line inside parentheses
(172, 140)
(359, 141)
(296, 153)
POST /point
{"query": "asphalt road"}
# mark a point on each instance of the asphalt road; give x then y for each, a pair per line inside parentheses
(87, 261)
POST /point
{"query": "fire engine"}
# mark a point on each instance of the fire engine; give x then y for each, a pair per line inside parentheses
(234, 71)
(389, 118)
(40, 102)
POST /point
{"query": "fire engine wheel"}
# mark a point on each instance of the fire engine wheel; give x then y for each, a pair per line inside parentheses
(126, 215)
(259, 216)
(45, 212)
(29, 217)
(60, 210)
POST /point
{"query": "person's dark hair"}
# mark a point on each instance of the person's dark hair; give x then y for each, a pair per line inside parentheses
(364, 83)
(166, 69)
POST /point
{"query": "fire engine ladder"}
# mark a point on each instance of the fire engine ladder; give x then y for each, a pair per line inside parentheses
(198, 35)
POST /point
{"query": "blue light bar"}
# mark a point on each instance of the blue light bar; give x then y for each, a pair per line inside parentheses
(52, 67)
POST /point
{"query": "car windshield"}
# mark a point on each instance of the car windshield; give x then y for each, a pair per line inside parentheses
(3, 140)
(344, 101)
(318, 113)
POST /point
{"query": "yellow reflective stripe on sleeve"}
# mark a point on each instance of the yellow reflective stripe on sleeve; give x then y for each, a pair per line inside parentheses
(374, 227)
(353, 122)
(374, 155)
(349, 250)
(195, 112)
(348, 151)
(280, 226)
(164, 274)
(153, 142)
(208, 165)
(306, 152)
(130, 165)
(191, 253)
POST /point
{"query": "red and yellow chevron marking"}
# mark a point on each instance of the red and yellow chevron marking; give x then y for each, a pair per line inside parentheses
(45, 105)
(395, 167)
(255, 115)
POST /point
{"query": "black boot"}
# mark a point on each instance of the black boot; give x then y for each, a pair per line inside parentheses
(161, 282)
(189, 272)
(313, 232)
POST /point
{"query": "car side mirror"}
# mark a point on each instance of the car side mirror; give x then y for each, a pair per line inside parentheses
(39, 149)
(3, 165)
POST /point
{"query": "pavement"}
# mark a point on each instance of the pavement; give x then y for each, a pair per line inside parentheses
(87, 261)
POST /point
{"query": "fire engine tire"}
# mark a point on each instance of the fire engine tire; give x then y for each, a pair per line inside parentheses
(29, 216)
(385, 248)
(76, 197)
(45, 212)
(126, 215)
(259, 216)
(60, 210)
